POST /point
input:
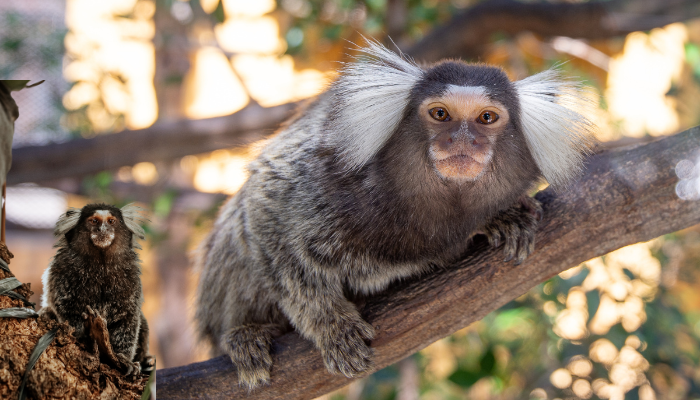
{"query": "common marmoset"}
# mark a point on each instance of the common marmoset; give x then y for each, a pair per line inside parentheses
(386, 175)
(96, 271)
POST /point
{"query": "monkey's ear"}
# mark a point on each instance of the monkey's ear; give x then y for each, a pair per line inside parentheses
(65, 223)
(368, 102)
(134, 216)
(553, 114)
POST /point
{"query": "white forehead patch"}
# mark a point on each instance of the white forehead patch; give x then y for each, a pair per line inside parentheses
(103, 213)
(470, 91)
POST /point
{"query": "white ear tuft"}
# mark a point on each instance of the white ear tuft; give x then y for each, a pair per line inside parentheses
(554, 114)
(368, 102)
(134, 216)
(65, 223)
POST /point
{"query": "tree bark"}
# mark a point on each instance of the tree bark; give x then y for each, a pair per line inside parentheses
(626, 196)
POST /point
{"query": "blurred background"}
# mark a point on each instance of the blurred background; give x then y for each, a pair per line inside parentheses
(163, 102)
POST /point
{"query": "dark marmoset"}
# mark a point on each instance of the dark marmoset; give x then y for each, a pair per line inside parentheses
(96, 271)
(386, 175)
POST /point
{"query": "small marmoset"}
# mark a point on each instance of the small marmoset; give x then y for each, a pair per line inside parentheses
(386, 175)
(96, 271)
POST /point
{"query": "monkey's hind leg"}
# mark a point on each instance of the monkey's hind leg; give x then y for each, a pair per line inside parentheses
(249, 347)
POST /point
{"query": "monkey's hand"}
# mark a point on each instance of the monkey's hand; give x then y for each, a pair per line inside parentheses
(343, 346)
(127, 366)
(516, 228)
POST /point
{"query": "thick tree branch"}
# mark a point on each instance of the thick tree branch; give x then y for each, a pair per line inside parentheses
(626, 196)
(466, 36)
(162, 141)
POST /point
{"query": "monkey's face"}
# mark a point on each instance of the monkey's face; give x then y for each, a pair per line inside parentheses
(101, 226)
(463, 123)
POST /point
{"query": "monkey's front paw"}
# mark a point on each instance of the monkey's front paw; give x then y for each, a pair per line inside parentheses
(128, 367)
(516, 227)
(249, 348)
(344, 349)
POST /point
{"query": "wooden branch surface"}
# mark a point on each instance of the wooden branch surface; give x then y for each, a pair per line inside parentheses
(626, 196)
(465, 36)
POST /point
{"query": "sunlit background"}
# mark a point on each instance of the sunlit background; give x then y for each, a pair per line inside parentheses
(627, 324)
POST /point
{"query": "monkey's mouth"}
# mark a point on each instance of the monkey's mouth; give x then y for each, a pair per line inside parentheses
(102, 240)
(462, 166)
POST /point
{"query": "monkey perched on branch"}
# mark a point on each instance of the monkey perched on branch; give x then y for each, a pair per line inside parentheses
(94, 282)
(386, 175)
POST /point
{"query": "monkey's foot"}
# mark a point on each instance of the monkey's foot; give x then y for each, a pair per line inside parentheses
(148, 363)
(127, 366)
(249, 347)
(516, 227)
(96, 327)
(344, 349)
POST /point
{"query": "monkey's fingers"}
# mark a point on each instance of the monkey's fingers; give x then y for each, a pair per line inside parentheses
(148, 364)
(526, 245)
(512, 239)
(493, 234)
(344, 349)
(249, 348)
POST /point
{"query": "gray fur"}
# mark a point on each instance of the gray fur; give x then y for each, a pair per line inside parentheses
(324, 218)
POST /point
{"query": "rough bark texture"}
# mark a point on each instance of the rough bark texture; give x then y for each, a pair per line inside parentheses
(65, 371)
(626, 196)
(466, 36)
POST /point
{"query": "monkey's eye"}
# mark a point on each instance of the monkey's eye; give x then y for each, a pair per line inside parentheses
(440, 114)
(487, 117)
(111, 221)
(93, 221)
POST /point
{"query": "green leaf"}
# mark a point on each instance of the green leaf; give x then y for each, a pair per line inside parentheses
(465, 378)
(488, 362)
(41, 345)
(151, 380)
(8, 284)
(18, 312)
(4, 266)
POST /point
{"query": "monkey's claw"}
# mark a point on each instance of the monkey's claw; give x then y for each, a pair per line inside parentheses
(516, 227)
(127, 366)
(344, 349)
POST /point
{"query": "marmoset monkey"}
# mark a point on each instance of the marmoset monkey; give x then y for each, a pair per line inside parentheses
(386, 175)
(97, 271)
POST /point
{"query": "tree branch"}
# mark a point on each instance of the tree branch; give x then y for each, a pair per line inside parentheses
(626, 196)
(469, 33)
(466, 36)
(162, 141)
